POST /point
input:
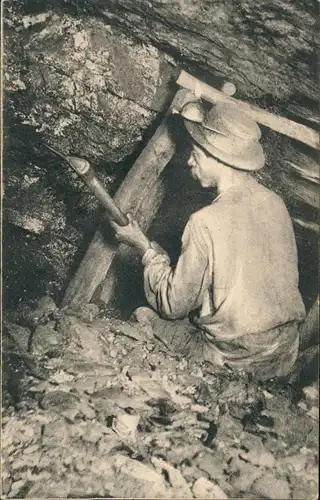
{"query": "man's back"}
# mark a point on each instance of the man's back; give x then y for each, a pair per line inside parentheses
(252, 261)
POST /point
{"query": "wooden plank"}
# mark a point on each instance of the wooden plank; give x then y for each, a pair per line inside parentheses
(301, 190)
(300, 164)
(309, 332)
(134, 189)
(279, 124)
(312, 226)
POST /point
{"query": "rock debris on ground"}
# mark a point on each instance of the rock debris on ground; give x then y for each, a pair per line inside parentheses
(104, 411)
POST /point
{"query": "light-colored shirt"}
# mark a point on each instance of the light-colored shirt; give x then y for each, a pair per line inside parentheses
(238, 264)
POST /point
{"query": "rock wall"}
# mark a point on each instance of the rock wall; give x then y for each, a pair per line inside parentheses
(86, 89)
(92, 78)
(267, 48)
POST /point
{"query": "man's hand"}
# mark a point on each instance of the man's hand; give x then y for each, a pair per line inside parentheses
(132, 235)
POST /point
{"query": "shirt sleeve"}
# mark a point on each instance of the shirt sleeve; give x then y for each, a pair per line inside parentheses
(176, 292)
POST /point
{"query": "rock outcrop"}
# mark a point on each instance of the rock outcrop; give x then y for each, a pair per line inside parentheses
(116, 416)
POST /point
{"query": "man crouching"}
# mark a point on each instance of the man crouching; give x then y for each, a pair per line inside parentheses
(237, 274)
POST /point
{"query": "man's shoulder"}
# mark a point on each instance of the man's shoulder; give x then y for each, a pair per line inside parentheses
(253, 193)
(265, 195)
(215, 210)
(252, 196)
(200, 216)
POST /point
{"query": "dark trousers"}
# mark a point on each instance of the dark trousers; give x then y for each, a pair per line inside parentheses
(266, 355)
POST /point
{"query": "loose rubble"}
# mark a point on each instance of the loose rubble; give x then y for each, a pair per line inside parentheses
(116, 416)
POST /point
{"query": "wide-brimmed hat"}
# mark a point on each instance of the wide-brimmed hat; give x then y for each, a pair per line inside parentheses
(228, 134)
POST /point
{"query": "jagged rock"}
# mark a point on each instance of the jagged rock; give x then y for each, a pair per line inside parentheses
(203, 488)
(85, 367)
(148, 385)
(236, 391)
(180, 486)
(30, 224)
(312, 392)
(205, 33)
(107, 443)
(63, 403)
(26, 460)
(258, 455)
(244, 474)
(87, 313)
(6, 484)
(125, 426)
(61, 377)
(19, 334)
(291, 463)
(94, 431)
(76, 440)
(305, 484)
(191, 473)
(16, 488)
(289, 421)
(46, 339)
(271, 487)
(44, 307)
(135, 479)
(132, 330)
(52, 487)
(180, 455)
(31, 314)
(56, 433)
(116, 82)
(313, 436)
(86, 384)
(313, 413)
(104, 407)
(86, 410)
(105, 400)
(83, 337)
(228, 432)
(20, 431)
(213, 465)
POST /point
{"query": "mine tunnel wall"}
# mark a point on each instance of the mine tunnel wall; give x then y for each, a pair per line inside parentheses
(103, 104)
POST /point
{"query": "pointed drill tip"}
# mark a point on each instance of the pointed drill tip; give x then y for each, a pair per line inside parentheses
(80, 165)
(55, 151)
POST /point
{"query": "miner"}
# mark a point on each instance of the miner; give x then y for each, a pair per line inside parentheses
(233, 297)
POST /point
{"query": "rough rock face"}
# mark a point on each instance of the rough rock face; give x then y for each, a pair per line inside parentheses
(102, 98)
(89, 87)
(118, 417)
(266, 48)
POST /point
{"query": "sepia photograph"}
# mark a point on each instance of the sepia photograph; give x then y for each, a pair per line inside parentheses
(159, 249)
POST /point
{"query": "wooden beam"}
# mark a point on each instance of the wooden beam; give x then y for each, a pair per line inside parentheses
(312, 226)
(301, 189)
(277, 123)
(134, 189)
(309, 332)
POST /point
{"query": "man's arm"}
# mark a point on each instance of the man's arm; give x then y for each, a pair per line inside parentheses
(132, 235)
(175, 292)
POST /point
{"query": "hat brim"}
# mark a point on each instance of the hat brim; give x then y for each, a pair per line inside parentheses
(251, 159)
